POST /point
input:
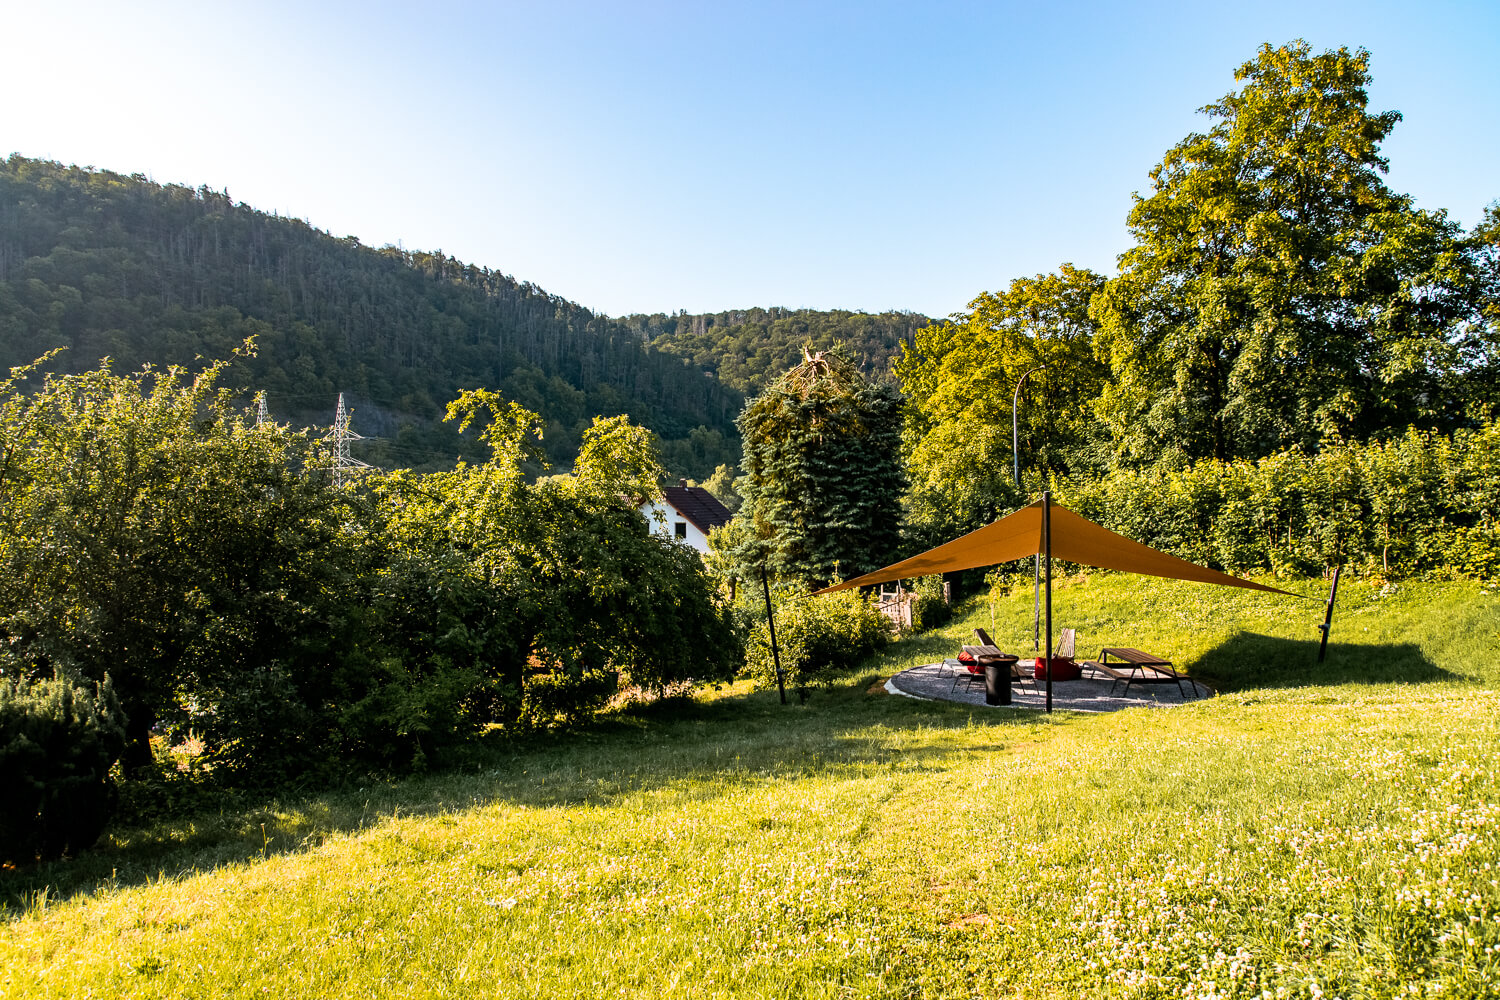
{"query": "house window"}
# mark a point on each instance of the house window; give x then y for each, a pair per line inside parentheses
(681, 528)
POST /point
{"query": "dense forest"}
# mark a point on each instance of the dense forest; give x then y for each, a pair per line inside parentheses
(748, 349)
(116, 266)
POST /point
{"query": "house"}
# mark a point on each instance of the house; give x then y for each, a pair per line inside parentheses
(688, 513)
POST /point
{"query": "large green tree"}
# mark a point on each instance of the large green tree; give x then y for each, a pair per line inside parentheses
(959, 379)
(1480, 342)
(1279, 293)
(152, 532)
(823, 481)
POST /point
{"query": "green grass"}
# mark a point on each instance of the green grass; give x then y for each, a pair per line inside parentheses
(1311, 832)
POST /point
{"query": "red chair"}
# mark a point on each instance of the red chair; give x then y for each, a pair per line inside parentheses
(1062, 666)
(970, 670)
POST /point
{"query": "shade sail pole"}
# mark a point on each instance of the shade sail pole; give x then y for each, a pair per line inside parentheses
(1327, 625)
(1015, 451)
(1047, 554)
(1036, 603)
(771, 623)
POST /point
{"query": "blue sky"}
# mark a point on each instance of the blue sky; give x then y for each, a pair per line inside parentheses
(658, 156)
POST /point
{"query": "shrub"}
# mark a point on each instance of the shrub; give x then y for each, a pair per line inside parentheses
(815, 637)
(1420, 503)
(928, 609)
(58, 741)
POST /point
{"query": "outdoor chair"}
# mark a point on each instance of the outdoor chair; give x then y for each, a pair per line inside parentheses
(967, 671)
(1062, 666)
(1016, 674)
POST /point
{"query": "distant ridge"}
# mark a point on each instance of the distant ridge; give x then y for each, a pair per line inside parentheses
(112, 265)
(749, 348)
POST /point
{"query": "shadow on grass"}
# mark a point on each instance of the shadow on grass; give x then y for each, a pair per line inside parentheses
(692, 747)
(1249, 660)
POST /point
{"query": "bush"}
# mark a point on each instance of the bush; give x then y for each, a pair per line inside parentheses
(928, 609)
(58, 741)
(1420, 503)
(815, 637)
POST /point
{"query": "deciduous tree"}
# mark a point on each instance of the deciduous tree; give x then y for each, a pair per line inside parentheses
(1279, 292)
(959, 379)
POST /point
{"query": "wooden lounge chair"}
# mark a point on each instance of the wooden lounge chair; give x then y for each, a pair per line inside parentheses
(1016, 674)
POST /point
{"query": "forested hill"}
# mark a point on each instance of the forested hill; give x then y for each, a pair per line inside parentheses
(748, 348)
(112, 265)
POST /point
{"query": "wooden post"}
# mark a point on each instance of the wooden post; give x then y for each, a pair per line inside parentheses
(771, 622)
(1333, 593)
(1047, 557)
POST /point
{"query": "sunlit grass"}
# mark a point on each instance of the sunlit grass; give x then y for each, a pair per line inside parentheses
(1312, 832)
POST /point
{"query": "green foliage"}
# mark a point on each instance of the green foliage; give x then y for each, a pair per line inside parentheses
(620, 457)
(959, 379)
(117, 266)
(721, 485)
(1479, 339)
(575, 589)
(1279, 294)
(151, 532)
(747, 349)
(928, 609)
(1422, 503)
(58, 741)
(823, 481)
(816, 637)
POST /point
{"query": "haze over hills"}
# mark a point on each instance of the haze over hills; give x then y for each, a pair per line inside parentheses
(109, 265)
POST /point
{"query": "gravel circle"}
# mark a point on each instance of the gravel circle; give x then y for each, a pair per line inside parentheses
(1090, 693)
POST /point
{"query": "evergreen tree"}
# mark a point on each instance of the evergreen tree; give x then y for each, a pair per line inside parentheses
(823, 482)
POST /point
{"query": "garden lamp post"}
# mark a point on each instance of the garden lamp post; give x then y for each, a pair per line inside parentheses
(1015, 450)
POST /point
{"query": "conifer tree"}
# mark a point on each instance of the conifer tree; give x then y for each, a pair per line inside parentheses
(823, 481)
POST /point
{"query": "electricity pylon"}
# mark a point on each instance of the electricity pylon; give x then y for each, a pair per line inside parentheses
(343, 465)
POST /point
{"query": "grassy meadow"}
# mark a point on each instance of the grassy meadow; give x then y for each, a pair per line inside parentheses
(1312, 832)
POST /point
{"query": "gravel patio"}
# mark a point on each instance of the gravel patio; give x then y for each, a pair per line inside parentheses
(1090, 693)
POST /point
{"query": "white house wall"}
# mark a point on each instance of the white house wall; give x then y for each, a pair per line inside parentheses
(663, 525)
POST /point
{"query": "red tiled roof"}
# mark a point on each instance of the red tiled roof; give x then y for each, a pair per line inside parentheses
(701, 508)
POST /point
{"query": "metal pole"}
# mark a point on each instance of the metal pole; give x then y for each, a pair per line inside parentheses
(1015, 451)
(1036, 607)
(1047, 551)
(1333, 593)
(771, 622)
(1015, 427)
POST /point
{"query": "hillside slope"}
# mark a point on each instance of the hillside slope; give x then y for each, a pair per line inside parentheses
(748, 348)
(118, 266)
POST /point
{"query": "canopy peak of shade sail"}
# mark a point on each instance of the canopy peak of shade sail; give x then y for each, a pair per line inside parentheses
(1074, 539)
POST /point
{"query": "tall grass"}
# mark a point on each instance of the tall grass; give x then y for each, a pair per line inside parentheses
(1311, 832)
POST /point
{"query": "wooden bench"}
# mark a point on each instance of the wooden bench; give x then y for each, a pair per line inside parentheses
(1133, 666)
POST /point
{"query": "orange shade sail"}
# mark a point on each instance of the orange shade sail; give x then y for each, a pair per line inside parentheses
(1074, 539)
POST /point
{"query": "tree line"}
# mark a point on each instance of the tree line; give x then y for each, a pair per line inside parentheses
(174, 569)
(1279, 298)
(116, 266)
(748, 349)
